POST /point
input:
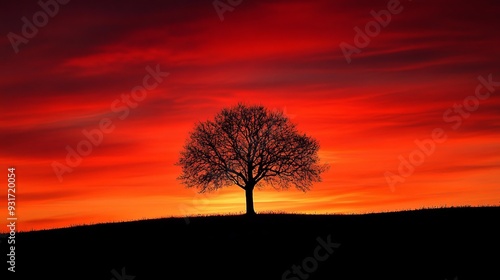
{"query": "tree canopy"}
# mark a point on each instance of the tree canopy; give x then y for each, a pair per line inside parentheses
(249, 146)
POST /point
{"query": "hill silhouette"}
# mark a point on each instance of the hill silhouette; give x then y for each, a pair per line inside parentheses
(445, 243)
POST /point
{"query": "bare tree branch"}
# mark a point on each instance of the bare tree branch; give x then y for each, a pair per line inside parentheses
(249, 146)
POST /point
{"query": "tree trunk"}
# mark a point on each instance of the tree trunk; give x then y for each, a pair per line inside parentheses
(249, 200)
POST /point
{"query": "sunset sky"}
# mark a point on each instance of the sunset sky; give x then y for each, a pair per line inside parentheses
(411, 78)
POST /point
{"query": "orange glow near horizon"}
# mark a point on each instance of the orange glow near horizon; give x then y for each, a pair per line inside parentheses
(285, 56)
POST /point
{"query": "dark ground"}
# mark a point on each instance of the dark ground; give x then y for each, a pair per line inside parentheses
(447, 243)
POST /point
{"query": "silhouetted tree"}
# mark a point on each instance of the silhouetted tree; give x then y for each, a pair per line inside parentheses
(249, 146)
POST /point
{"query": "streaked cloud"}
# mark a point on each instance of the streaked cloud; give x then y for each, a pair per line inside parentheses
(282, 54)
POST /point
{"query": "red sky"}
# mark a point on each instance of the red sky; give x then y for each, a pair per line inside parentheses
(285, 55)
